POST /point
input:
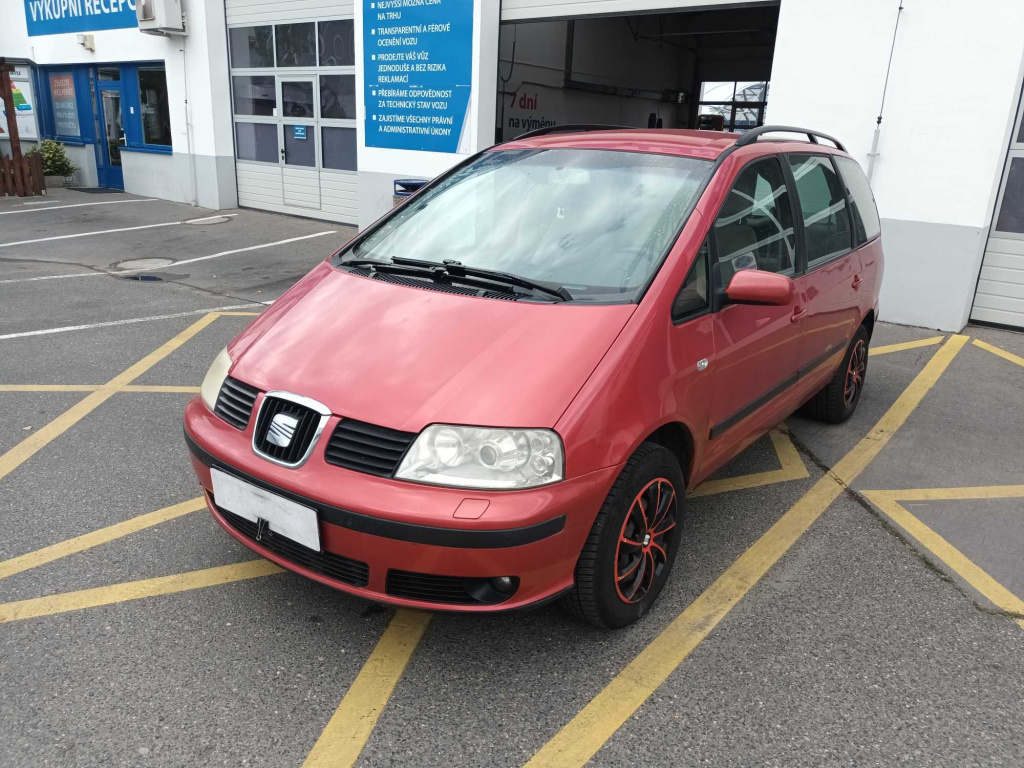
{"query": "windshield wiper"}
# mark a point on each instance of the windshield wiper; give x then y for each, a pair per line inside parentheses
(454, 268)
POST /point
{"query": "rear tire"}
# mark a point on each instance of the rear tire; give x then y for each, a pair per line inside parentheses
(838, 399)
(629, 553)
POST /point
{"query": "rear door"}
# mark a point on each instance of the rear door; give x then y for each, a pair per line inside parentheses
(755, 346)
(832, 277)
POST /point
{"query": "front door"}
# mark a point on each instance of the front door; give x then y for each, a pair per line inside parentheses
(110, 106)
(833, 267)
(755, 346)
(299, 157)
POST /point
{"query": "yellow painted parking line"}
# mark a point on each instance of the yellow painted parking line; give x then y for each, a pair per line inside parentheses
(598, 721)
(135, 590)
(793, 468)
(890, 503)
(42, 437)
(1001, 352)
(348, 730)
(906, 345)
(95, 538)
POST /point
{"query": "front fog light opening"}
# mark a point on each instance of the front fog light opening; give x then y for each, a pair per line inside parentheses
(496, 589)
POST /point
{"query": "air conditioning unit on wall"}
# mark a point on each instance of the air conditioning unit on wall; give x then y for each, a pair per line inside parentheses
(160, 17)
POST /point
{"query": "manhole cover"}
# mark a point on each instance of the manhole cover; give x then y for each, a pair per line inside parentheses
(208, 220)
(144, 263)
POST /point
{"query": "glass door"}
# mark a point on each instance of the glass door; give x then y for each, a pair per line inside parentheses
(299, 157)
(111, 111)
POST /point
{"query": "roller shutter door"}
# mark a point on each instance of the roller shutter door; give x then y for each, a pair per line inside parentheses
(292, 70)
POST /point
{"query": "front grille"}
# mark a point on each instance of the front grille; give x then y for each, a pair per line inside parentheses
(453, 590)
(305, 430)
(235, 401)
(367, 448)
(342, 569)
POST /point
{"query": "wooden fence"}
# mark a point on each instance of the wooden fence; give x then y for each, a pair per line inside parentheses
(24, 178)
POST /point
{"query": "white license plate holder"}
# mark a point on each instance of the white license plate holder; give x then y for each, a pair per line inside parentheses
(283, 516)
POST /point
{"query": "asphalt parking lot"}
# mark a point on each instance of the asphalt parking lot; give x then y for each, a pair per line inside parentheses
(848, 595)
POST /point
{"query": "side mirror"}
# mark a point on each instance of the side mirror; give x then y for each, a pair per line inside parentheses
(752, 286)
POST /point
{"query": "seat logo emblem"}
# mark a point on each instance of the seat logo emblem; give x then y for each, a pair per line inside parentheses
(282, 430)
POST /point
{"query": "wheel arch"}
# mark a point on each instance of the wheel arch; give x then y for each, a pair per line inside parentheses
(677, 438)
(869, 322)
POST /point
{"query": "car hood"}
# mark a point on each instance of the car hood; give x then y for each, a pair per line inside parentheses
(405, 357)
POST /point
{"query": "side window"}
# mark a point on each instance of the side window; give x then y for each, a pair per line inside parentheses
(693, 296)
(865, 215)
(822, 207)
(754, 228)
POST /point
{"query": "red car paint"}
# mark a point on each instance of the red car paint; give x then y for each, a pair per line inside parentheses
(604, 377)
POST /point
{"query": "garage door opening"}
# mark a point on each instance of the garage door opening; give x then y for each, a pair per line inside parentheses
(682, 69)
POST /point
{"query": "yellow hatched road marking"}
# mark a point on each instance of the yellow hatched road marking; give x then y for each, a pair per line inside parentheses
(42, 437)
(134, 590)
(351, 725)
(1001, 352)
(95, 538)
(793, 468)
(889, 502)
(598, 721)
(906, 345)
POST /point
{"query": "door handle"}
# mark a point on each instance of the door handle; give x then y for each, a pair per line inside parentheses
(856, 282)
(798, 314)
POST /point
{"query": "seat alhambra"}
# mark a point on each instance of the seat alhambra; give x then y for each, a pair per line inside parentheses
(499, 394)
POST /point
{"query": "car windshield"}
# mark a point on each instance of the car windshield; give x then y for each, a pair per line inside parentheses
(596, 222)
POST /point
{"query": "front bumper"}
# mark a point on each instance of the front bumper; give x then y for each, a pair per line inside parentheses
(400, 542)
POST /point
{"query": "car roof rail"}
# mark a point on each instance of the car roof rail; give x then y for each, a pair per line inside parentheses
(580, 128)
(752, 135)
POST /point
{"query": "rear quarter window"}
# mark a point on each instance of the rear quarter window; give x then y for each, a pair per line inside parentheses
(866, 225)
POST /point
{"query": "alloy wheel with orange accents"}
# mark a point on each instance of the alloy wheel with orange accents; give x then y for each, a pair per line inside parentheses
(633, 542)
(642, 549)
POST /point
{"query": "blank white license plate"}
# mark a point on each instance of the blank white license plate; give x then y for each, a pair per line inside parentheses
(283, 516)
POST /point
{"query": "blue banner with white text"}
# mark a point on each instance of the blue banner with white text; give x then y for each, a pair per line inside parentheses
(418, 63)
(55, 17)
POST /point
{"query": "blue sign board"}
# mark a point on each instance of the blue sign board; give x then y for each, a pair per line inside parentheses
(417, 63)
(298, 131)
(54, 17)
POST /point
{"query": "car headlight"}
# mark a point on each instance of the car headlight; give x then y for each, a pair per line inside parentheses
(215, 378)
(479, 457)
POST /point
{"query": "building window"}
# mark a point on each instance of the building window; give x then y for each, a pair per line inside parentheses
(301, 118)
(154, 109)
(337, 43)
(63, 100)
(252, 47)
(296, 45)
(739, 104)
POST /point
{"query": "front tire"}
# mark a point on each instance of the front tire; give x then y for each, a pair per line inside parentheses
(629, 553)
(838, 399)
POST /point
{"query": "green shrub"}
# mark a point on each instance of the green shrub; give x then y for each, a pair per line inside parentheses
(55, 159)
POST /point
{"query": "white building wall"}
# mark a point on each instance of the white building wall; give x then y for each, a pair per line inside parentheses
(953, 86)
(201, 170)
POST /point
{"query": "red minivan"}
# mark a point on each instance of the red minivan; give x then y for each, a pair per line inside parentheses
(499, 394)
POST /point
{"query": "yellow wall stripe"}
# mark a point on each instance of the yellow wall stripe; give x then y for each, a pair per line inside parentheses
(585, 734)
(95, 538)
(134, 590)
(350, 727)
